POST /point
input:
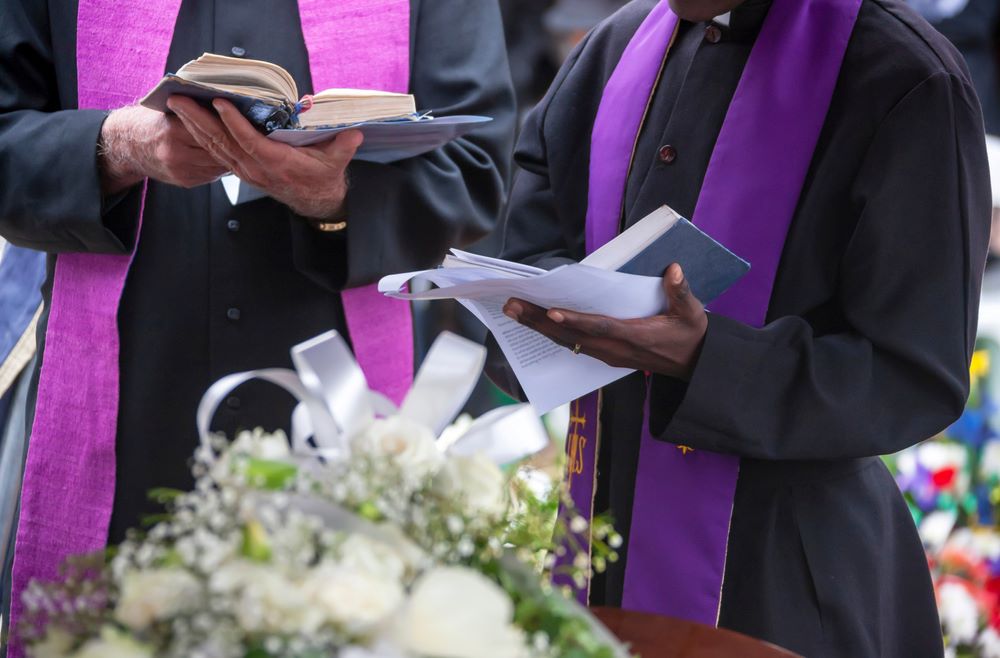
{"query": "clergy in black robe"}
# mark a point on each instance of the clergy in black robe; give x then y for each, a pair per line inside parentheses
(216, 288)
(868, 334)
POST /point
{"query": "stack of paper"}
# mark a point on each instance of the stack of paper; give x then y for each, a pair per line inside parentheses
(550, 374)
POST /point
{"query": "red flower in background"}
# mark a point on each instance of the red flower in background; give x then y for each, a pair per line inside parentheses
(944, 478)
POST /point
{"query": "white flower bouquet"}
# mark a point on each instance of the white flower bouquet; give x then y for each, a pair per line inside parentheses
(366, 538)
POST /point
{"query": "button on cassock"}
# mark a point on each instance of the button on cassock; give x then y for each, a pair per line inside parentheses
(237, 51)
(668, 154)
(233, 225)
(233, 314)
(713, 33)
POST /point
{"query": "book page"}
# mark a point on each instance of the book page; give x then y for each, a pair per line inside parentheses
(550, 374)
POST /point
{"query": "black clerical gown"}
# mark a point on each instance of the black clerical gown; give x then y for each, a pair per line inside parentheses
(216, 289)
(869, 329)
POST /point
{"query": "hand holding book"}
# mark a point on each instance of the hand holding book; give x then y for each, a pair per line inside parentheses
(138, 143)
(627, 306)
(310, 179)
(667, 344)
(266, 95)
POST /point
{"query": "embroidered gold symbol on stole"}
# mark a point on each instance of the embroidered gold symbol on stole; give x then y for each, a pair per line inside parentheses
(685, 450)
(577, 441)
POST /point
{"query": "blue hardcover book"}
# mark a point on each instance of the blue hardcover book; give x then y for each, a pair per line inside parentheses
(662, 238)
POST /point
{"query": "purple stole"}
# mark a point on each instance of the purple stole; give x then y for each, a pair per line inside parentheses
(684, 498)
(122, 48)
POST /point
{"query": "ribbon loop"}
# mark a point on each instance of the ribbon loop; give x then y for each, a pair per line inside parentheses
(335, 403)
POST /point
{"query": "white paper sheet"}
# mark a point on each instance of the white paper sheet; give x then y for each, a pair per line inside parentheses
(550, 374)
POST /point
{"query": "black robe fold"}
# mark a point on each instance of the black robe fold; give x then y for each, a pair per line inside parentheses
(869, 330)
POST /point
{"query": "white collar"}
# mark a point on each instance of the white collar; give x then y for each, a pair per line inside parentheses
(722, 19)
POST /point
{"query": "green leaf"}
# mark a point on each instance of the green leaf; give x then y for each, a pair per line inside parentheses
(150, 520)
(256, 544)
(164, 495)
(272, 475)
(257, 652)
(368, 510)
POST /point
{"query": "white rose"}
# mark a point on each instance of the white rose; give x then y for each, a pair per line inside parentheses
(414, 558)
(266, 600)
(355, 600)
(112, 644)
(456, 612)
(359, 553)
(148, 596)
(477, 482)
(410, 445)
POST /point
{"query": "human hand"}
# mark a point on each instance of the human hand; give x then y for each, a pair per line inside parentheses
(137, 143)
(311, 180)
(666, 344)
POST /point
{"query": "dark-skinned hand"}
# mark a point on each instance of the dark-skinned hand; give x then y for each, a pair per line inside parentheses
(666, 344)
(311, 180)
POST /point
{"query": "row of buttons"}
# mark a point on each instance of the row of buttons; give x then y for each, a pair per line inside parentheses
(233, 226)
(667, 152)
(233, 314)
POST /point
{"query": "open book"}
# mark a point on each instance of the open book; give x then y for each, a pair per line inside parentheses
(266, 94)
(621, 280)
(269, 95)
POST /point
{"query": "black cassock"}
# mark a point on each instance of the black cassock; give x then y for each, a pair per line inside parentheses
(869, 330)
(216, 289)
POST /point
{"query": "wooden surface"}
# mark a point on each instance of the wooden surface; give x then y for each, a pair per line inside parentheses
(652, 636)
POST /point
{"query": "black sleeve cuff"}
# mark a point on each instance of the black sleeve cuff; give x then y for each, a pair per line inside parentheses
(320, 255)
(120, 214)
(703, 414)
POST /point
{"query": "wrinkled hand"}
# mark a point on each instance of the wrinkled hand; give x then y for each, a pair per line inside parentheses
(311, 180)
(667, 344)
(137, 143)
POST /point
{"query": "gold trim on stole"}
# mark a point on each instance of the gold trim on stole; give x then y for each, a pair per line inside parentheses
(593, 491)
(725, 558)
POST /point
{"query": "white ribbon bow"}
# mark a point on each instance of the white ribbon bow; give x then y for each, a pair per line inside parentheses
(335, 403)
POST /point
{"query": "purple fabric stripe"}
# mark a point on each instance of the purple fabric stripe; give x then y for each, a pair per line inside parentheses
(680, 530)
(70, 470)
(784, 95)
(381, 328)
(676, 558)
(619, 117)
(69, 479)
